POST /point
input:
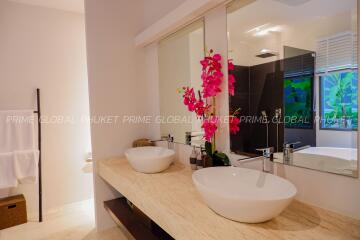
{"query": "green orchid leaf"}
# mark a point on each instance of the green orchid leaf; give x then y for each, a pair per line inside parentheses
(208, 148)
(221, 159)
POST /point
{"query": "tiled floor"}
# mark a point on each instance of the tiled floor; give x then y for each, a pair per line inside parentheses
(73, 222)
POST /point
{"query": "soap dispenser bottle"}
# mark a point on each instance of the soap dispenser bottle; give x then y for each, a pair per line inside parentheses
(199, 161)
(207, 160)
(193, 158)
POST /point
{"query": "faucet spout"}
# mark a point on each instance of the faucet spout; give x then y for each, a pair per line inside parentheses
(190, 135)
(169, 139)
(268, 159)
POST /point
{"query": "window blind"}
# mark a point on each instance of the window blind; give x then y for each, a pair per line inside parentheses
(336, 52)
(299, 66)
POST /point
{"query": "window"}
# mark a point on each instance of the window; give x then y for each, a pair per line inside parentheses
(336, 64)
(298, 94)
(339, 100)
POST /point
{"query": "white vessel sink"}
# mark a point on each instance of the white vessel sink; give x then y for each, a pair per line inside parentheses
(150, 159)
(243, 195)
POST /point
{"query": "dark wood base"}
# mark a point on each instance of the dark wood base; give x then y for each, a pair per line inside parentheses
(136, 222)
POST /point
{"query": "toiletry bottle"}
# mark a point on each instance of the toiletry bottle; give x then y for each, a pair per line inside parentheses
(207, 160)
(193, 158)
(199, 160)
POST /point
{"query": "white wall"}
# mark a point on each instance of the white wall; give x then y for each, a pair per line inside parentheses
(175, 72)
(216, 39)
(114, 84)
(196, 51)
(120, 83)
(179, 66)
(45, 48)
(153, 10)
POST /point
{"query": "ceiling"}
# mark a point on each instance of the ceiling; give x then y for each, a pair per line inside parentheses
(268, 25)
(271, 14)
(66, 5)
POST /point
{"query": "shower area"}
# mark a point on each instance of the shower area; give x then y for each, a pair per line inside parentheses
(266, 95)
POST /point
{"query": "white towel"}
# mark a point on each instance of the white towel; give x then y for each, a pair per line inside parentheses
(17, 130)
(8, 177)
(26, 165)
(17, 147)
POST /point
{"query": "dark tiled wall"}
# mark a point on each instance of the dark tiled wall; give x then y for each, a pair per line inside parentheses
(261, 87)
(257, 88)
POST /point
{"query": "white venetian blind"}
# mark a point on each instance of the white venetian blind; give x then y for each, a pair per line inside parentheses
(336, 52)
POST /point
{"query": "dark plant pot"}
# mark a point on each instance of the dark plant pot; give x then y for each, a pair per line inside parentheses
(218, 163)
(208, 161)
(217, 158)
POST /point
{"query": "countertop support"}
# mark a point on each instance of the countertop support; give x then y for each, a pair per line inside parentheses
(171, 200)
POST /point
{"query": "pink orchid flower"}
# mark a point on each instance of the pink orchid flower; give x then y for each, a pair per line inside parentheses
(210, 125)
(212, 78)
(231, 78)
(231, 65)
(231, 82)
(194, 105)
(211, 75)
(217, 57)
(234, 124)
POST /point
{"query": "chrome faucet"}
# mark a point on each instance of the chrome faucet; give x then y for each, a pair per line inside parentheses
(278, 120)
(289, 150)
(170, 141)
(268, 159)
(169, 138)
(190, 135)
(267, 122)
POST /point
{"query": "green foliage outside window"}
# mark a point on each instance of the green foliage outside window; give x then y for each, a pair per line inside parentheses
(339, 100)
(298, 94)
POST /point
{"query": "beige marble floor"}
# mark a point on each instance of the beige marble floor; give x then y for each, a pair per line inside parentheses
(73, 222)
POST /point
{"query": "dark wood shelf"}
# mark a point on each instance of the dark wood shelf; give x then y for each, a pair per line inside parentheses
(137, 223)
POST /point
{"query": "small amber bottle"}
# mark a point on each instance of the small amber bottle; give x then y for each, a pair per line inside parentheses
(207, 160)
(193, 159)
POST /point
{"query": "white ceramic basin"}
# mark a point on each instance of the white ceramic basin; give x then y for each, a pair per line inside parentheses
(243, 195)
(150, 159)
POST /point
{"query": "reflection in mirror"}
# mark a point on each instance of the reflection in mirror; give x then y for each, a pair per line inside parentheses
(296, 81)
(179, 66)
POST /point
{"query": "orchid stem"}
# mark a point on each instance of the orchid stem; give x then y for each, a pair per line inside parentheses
(214, 114)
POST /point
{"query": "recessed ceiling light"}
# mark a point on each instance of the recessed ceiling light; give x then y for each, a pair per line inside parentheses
(293, 3)
(264, 50)
(264, 29)
(258, 28)
(267, 31)
(265, 53)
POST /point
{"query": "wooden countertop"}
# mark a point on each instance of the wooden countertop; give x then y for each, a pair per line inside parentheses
(171, 200)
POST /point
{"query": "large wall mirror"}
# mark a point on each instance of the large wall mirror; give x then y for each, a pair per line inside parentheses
(296, 84)
(179, 65)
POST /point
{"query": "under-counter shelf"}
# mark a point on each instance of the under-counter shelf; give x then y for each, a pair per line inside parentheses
(137, 223)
